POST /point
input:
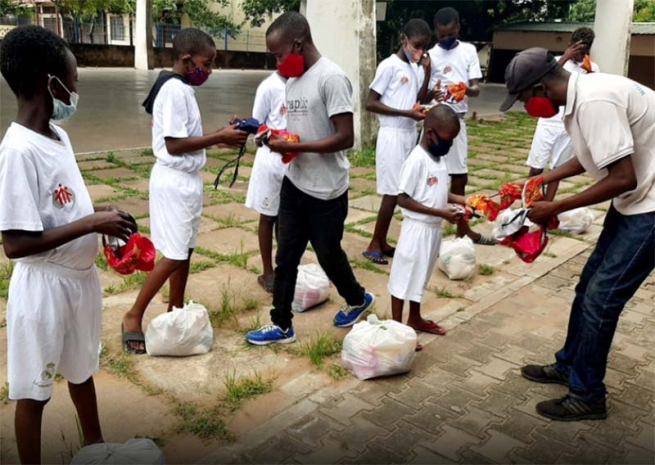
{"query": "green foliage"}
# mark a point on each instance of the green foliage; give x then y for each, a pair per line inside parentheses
(644, 11)
(585, 11)
(257, 11)
(200, 13)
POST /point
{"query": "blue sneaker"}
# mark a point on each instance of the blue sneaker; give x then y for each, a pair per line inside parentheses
(348, 315)
(270, 334)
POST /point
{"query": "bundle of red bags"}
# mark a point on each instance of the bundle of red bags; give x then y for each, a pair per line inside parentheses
(264, 134)
(137, 255)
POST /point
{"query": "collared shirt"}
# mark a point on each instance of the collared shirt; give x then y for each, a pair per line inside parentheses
(608, 118)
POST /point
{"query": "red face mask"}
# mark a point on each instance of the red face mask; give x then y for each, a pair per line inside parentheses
(540, 107)
(293, 66)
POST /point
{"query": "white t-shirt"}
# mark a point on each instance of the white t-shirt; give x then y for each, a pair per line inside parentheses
(609, 117)
(459, 64)
(398, 84)
(572, 67)
(270, 105)
(322, 92)
(426, 181)
(176, 114)
(42, 188)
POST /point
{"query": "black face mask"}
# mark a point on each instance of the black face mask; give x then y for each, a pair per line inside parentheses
(440, 148)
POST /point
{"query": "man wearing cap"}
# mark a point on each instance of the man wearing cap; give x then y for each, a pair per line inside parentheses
(611, 121)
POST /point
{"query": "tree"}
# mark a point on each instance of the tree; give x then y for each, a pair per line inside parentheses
(200, 13)
(257, 11)
(585, 11)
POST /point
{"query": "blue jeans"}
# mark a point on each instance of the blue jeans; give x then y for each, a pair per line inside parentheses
(623, 258)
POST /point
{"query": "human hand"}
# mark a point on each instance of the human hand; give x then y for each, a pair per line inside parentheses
(573, 50)
(279, 145)
(436, 93)
(114, 223)
(426, 63)
(417, 114)
(232, 137)
(453, 214)
(542, 212)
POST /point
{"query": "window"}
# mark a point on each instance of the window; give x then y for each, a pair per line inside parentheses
(50, 24)
(117, 28)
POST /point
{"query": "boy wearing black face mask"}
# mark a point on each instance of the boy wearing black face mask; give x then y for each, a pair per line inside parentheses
(423, 196)
(49, 226)
(176, 188)
(454, 63)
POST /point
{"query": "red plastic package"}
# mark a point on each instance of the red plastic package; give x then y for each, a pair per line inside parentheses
(509, 193)
(527, 244)
(264, 134)
(457, 91)
(484, 205)
(137, 255)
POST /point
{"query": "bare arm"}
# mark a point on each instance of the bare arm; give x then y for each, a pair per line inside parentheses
(374, 105)
(405, 201)
(473, 89)
(19, 244)
(342, 139)
(227, 135)
(426, 64)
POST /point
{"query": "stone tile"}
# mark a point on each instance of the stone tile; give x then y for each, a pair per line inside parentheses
(312, 428)
(637, 396)
(99, 191)
(478, 353)
(278, 449)
(476, 383)
(498, 447)
(432, 418)
(454, 400)
(589, 452)
(93, 165)
(228, 241)
(115, 173)
(231, 210)
(459, 365)
(516, 386)
(497, 368)
(404, 438)
(496, 403)
(416, 393)
(135, 207)
(424, 456)
(330, 451)
(388, 414)
(543, 450)
(370, 203)
(519, 426)
(358, 434)
(451, 442)
(645, 438)
(476, 421)
(346, 408)
(635, 456)
(624, 364)
(375, 455)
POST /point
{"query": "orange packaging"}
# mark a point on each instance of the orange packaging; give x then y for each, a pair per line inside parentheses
(457, 91)
(487, 207)
(586, 64)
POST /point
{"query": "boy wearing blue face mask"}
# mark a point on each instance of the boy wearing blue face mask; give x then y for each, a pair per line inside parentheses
(423, 196)
(49, 227)
(456, 62)
(176, 188)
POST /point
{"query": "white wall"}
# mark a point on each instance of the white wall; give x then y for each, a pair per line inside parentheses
(611, 49)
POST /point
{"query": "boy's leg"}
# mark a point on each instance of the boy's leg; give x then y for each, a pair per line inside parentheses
(397, 309)
(84, 398)
(417, 322)
(267, 226)
(379, 242)
(177, 282)
(27, 423)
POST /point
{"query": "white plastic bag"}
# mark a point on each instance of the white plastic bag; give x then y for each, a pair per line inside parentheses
(509, 222)
(376, 348)
(133, 452)
(576, 221)
(184, 331)
(312, 287)
(457, 258)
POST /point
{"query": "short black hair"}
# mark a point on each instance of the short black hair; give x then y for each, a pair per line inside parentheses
(29, 52)
(291, 22)
(585, 35)
(417, 28)
(442, 115)
(445, 16)
(191, 41)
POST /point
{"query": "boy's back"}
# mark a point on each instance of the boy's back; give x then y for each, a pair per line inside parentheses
(176, 114)
(322, 92)
(270, 105)
(47, 170)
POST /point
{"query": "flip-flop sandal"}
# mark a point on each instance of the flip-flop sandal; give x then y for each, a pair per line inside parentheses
(376, 257)
(267, 283)
(419, 347)
(132, 336)
(430, 327)
(390, 253)
(484, 240)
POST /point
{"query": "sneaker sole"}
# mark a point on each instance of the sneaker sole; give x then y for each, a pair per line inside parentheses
(359, 317)
(586, 416)
(545, 380)
(288, 340)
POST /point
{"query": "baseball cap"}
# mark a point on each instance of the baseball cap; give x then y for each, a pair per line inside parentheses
(524, 71)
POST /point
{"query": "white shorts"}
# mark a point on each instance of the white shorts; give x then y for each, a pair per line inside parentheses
(457, 156)
(175, 209)
(552, 143)
(393, 147)
(54, 321)
(266, 182)
(413, 263)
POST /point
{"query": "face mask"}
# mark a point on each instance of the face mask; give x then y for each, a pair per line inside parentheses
(447, 44)
(60, 111)
(198, 76)
(440, 148)
(293, 66)
(413, 55)
(540, 107)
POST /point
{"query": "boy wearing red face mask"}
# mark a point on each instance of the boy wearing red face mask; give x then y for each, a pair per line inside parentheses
(314, 194)
(176, 188)
(393, 94)
(551, 141)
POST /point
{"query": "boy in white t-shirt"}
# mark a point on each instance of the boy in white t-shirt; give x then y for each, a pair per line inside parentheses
(456, 62)
(393, 94)
(176, 188)
(551, 142)
(49, 226)
(423, 196)
(268, 171)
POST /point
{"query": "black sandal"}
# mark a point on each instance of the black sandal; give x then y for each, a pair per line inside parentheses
(132, 337)
(267, 282)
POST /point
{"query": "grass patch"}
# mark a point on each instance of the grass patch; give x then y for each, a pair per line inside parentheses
(6, 269)
(550, 255)
(486, 270)
(222, 196)
(351, 228)
(101, 262)
(449, 229)
(4, 394)
(364, 158)
(147, 152)
(242, 389)
(229, 306)
(337, 372)
(197, 267)
(206, 423)
(460, 309)
(322, 346)
(443, 293)
(133, 281)
(238, 259)
(364, 264)
(254, 324)
(229, 221)
(144, 229)
(120, 364)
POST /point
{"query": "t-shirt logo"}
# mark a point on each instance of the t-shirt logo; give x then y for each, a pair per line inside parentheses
(63, 196)
(283, 109)
(404, 80)
(448, 69)
(432, 181)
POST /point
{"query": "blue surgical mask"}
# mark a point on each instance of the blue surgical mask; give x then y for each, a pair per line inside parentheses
(440, 148)
(448, 44)
(60, 111)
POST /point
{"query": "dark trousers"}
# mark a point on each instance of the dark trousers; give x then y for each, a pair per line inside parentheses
(302, 219)
(623, 258)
